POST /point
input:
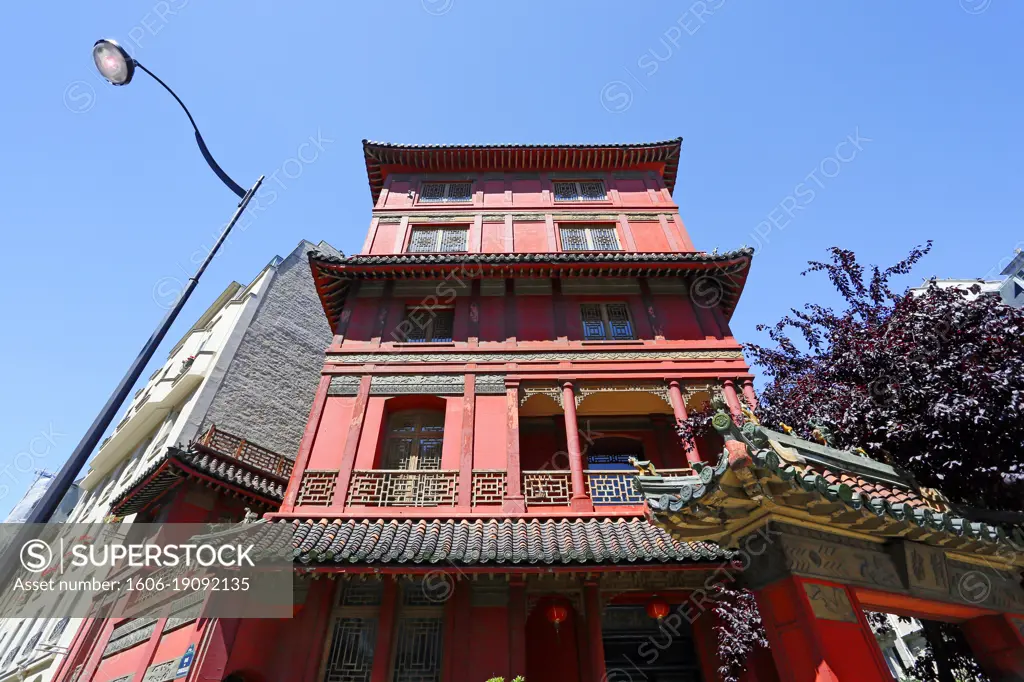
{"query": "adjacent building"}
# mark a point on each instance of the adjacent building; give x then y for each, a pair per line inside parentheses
(236, 387)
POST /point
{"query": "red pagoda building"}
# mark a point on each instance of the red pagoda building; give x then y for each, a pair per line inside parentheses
(523, 325)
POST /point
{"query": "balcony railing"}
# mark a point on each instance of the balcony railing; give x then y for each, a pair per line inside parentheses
(249, 453)
(404, 488)
(547, 487)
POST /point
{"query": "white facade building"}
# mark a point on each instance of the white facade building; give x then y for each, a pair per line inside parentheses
(174, 407)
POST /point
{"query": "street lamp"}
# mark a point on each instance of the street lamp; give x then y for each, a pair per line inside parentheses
(118, 67)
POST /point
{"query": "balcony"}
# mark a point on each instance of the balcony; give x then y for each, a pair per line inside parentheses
(404, 488)
(241, 450)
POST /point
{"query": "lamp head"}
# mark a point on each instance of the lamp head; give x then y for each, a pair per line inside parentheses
(113, 62)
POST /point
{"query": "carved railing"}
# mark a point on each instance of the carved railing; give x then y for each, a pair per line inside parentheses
(404, 488)
(242, 450)
(615, 486)
(547, 487)
(488, 486)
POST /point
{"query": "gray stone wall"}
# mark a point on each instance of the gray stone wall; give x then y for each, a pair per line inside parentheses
(268, 388)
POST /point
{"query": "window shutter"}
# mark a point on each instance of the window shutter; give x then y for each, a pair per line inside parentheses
(593, 323)
(618, 321)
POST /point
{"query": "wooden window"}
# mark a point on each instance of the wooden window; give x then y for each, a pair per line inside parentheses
(606, 322)
(581, 190)
(419, 630)
(589, 238)
(446, 192)
(438, 240)
(414, 440)
(350, 648)
(428, 325)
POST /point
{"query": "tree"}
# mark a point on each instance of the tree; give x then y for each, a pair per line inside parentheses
(932, 383)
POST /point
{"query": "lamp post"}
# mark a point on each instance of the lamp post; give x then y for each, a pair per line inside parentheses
(118, 67)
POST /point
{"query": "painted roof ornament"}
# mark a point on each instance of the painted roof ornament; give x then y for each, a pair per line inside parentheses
(643, 467)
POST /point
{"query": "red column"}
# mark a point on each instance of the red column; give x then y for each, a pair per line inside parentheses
(516, 628)
(818, 633)
(592, 606)
(385, 632)
(466, 450)
(998, 643)
(580, 501)
(705, 641)
(348, 455)
(675, 395)
(514, 501)
(748, 393)
(96, 654)
(306, 445)
(149, 650)
(211, 662)
(729, 389)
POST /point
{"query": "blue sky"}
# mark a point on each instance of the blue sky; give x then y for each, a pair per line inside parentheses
(105, 198)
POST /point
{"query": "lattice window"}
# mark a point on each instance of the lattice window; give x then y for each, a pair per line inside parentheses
(606, 322)
(446, 192)
(354, 633)
(317, 487)
(584, 190)
(438, 240)
(414, 440)
(427, 325)
(589, 238)
(612, 487)
(58, 629)
(418, 646)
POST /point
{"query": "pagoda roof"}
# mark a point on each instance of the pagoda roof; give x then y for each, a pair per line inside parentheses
(762, 471)
(383, 158)
(333, 275)
(205, 460)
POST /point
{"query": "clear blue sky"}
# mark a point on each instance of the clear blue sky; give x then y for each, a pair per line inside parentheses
(105, 198)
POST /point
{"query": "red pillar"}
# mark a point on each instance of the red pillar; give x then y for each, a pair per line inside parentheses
(149, 650)
(592, 606)
(818, 633)
(348, 455)
(466, 446)
(385, 632)
(580, 501)
(998, 643)
(306, 445)
(675, 396)
(705, 641)
(514, 501)
(96, 654)
(729, 389)
(212, 658)
(516, 628)
(748, 393)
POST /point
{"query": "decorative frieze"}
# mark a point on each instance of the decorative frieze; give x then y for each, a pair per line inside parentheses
(658, 389)
(161, 672)
(830, 603)
(490, 384)
(559, 213)
(464, 357)
(347, 384)
(419, 384)
(129, 634)
(527, 391)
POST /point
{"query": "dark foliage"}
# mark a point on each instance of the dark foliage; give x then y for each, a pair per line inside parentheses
(738, 629)
(933, 384)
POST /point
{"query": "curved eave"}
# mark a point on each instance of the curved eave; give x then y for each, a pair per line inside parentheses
(333, 276)
(381, 157)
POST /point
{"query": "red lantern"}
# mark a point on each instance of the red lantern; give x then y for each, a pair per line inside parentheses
(657, 609)
(556, 614)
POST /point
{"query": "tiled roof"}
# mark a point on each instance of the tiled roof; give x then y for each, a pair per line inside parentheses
(177, 465)
(490, 541)
(380, 156)
(333, 275)
(761, 468)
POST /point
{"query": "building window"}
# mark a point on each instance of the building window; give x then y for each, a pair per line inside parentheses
(428, 325)
(438, 240)
(589, 238)
(446, 192)
(414, 440)
(353, 633)
(584, 190)
(606, 322)
(418, 635)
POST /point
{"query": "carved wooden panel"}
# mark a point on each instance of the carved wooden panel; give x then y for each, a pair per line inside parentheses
(317, 487)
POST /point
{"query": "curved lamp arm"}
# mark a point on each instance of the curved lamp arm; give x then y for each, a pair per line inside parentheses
(224, 177)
